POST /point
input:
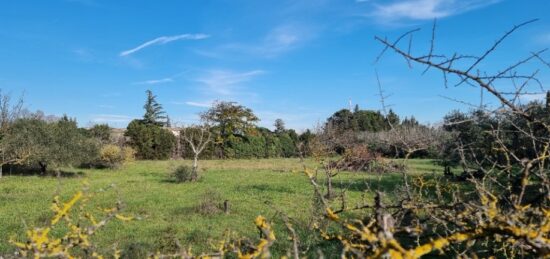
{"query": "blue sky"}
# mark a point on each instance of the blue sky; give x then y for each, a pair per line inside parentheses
(295, 60)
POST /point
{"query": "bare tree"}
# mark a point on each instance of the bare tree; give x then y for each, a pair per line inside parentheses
(198, 138)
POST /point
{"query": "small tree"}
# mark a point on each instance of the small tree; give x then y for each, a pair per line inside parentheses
(198, 138)
(54, 144)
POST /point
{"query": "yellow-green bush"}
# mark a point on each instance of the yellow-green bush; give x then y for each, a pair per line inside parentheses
(112, 156)
(129, 154)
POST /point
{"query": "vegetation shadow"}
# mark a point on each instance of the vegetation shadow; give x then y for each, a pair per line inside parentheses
(33, 171)
(267, 188)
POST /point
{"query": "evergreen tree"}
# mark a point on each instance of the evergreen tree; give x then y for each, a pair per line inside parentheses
(279, 126)
(154, 114)
(392, 119)
(168, 122)
(150, 140)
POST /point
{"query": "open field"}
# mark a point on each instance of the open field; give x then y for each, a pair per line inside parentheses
(168, 210)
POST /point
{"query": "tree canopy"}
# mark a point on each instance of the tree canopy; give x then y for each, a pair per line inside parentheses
(230, 118)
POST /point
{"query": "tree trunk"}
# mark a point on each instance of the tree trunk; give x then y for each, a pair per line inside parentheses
(43, 168)
(329, 186)
(226, 206)
(194, 174)
(1, 171)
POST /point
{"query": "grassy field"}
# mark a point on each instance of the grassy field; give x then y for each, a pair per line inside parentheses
(169, 210)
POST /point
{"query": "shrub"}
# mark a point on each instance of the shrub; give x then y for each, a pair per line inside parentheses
(357, 158)
(288, 145)
(183, 173)
(101, 132)
(112, 156)
(129, 154)
(210, 203)
(150, 141)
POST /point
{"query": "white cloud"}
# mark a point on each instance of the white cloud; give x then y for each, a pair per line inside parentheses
(205, 104)
(224, 82)
(200, 104)
(165, 80)
(105, 118)
(155, 81)
(275, 42)
(283, 39)
(424, 9)
(532, 97)
(163, 40)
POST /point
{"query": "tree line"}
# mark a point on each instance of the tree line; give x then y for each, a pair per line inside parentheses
(229, 130)
(232, 133)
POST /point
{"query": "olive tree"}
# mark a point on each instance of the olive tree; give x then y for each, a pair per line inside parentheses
(9, 112)
(53, 144)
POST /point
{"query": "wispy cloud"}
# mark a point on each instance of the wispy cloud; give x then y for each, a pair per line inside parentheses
(424, 9)
(225, 82)
(106, 106)
(202, 104)
(543, 38)
(163, 40)
(199, 104)
(165, 80)
(277, 41)
(84, 55)
(281, 39)
(114, 118)
(155, 81)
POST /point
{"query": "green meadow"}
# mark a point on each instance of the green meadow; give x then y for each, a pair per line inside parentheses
(166, 211)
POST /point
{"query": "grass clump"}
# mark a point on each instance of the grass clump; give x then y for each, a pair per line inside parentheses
(210, 203)
(183, 173)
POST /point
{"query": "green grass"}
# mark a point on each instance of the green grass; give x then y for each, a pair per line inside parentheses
(167, 210)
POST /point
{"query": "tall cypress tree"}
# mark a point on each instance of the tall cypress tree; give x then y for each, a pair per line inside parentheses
(154, 114)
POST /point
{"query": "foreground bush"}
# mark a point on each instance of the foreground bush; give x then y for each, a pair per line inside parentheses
(74, 231)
